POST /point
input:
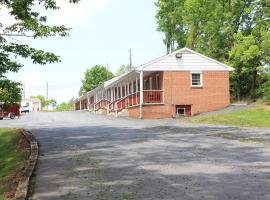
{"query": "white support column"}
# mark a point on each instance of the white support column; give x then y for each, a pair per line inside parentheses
(132, 92)
(95, 100)
(80, 105)
(136, 84)
(116, 107)
(88, 103)
(117, 91)
(137, 90)
(121, 90)
(141, 94)
(111, 94)
(126, 89)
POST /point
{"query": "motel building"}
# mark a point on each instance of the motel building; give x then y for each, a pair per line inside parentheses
(180, 84)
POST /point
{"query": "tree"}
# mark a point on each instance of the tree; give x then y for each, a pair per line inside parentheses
(94, 77)
(65, 106)
(52, 103)
(10, 92)
(28, 23)
(235, 32)
(123, 69)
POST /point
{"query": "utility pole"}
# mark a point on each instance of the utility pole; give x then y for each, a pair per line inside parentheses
(107, 71)
(130, 60)
(47, 94)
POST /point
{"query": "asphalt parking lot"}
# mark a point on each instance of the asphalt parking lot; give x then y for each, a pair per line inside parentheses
(84, 156)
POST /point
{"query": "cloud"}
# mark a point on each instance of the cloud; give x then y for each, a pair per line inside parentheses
(69, 14)
(6, 18)
(33, 80)
(77, 14)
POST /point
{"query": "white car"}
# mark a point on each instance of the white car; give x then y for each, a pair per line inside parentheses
(25, 109)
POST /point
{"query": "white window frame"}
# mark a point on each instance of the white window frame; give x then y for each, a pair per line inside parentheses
(181, 108)
(201, 78)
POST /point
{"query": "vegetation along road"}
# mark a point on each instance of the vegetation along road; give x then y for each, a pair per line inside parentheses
(14, 152)
(96, 157)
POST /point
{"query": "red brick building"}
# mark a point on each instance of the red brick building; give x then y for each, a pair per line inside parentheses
(183, 83)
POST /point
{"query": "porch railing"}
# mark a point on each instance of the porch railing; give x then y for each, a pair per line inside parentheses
(153, 96)
(103, 103)
(149, 97)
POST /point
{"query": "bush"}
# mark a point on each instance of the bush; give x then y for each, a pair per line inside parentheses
(264, 91)
(64, 107)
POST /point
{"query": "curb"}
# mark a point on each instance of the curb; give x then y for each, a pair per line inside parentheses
(22, 191)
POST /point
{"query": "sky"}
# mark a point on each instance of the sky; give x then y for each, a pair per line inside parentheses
(102, 32)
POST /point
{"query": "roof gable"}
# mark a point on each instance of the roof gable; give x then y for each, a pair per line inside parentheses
(190, 60)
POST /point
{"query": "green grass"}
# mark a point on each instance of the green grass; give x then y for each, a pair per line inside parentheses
(258, 117)
(10, 157)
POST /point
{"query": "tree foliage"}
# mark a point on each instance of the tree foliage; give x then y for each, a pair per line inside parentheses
(65, 106)
(235, 32)
(123, 69)
(10, 92)
(44, 102)
(93, 77)
(27, 23)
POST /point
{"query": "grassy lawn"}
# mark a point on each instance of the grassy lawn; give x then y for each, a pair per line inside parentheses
(10, 157)
(258, 117)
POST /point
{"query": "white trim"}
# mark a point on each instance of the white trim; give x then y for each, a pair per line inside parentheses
(201, 78)
(184, 112)
(144, 67)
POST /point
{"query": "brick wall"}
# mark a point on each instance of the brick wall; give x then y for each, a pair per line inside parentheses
(213, 95)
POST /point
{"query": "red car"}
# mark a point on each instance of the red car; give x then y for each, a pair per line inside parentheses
(12, 111)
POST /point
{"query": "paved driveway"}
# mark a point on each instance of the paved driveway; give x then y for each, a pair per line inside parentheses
(89, 157)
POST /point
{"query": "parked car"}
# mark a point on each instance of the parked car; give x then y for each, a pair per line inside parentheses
(25, 109)
(11, 111)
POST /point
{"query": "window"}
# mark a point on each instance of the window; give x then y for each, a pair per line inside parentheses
(180, 112)
(196, 79)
